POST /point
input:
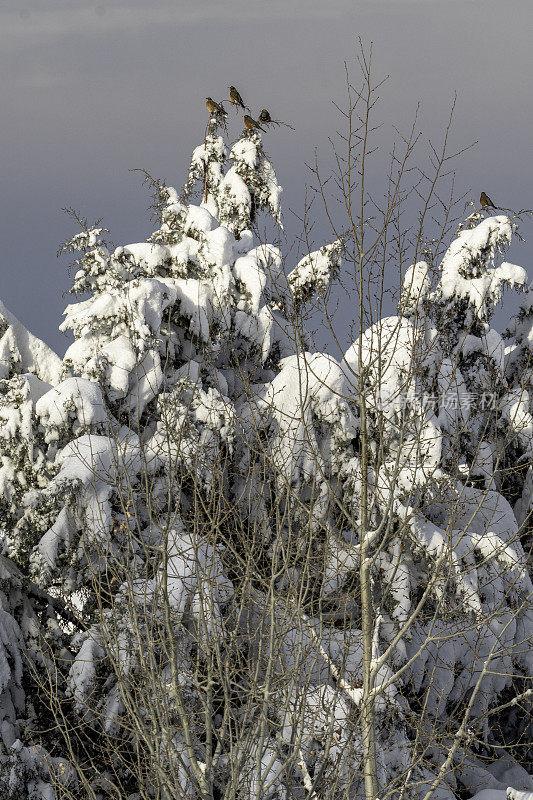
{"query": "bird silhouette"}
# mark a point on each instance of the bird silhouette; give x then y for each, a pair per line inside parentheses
(236, 98)
(486, 202)
(215, 108)
(251, 124)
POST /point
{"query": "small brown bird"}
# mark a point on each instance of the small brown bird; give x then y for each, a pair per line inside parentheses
(251, 124)
(215, 108)
(235, 97)
(486, 202)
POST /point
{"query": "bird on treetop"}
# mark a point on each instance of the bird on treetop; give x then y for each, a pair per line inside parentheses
(266, 119)
(235, 97)
(264, 116)
(486, 202)
(251, 124)
(215, 108)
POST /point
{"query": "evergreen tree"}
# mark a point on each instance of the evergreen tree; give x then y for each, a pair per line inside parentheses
(32, 638)
(140, 431)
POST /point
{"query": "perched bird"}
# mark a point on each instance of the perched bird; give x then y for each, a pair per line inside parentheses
(264, 116)
(486, 202)
(215, 108)
(266, 119)
(235, 97)
(251, 124)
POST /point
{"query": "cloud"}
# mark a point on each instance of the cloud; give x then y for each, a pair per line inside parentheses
(59, 19)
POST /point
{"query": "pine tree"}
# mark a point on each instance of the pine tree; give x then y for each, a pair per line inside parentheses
(32, 639)
(140, 433)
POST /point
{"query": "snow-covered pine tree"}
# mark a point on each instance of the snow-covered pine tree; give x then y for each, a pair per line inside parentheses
(27, 369)
(32, 639)
(237, 194)
(461, 505)
(207, 165)
(136, 519)
(249, 185)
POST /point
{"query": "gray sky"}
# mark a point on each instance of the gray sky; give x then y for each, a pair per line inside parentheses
(92, 90)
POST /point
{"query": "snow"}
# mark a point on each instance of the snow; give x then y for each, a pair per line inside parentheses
(114, 331)
(190, 370)
(35, 355)
(389, 352)
(515, 408)
(484, 460)
(218, 247)
(142, 305)
(416, 285)
(307, 386)
(119, 357)
(234, 201)
(213, 147)
(387, 348)
(149, 257)
(259, 271)
(11, 647)
(74, 400)
(478, 246)
(244, 244)
(183, 252)
(262, 771)
(490, 343)
(83, 672)
(194, 298)
(197, 220)
(315, 271)
(55, 539)
(145, 381)
(256, 329)
(195, 580)
(210, 204)
(91, 462)
(320, 715)
(245, 151)
(502, 794)
(16, 413)
(273, 188)
(249, 271)
(340, 558)
(238, 195)
(512, 274)
(508, 772)
(477, 536)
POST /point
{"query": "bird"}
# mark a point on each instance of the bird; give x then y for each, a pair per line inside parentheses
(251, 124)
(235, 97)
(215, 108)
(486, 202)
(266, 119)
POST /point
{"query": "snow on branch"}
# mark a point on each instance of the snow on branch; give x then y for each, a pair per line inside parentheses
(315, 271)
(466, 266)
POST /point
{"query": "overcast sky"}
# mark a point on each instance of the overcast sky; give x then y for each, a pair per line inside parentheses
(90, 91)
